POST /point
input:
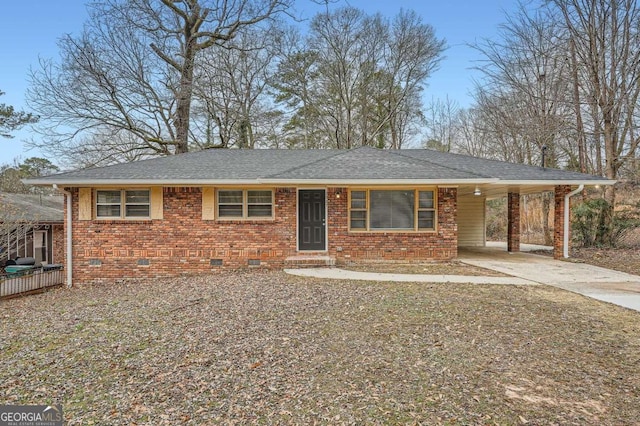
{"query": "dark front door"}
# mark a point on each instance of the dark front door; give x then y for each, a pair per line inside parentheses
(311, 219)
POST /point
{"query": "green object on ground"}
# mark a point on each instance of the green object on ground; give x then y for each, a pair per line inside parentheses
(13, 269)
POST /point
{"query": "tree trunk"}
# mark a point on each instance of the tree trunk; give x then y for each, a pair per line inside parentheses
(580, 133)
(546, 228)
(183, 108)
(611, 172)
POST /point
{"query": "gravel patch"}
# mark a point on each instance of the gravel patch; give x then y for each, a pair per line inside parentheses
(269, 348)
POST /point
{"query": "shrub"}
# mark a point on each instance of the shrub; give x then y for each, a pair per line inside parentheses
(592, 226)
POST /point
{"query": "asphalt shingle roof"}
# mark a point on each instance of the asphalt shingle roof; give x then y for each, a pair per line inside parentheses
(369, 163)
(31, 208)
(493, 168)
(361, 164)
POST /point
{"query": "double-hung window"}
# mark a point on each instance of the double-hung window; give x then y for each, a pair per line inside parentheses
(245, 204)
(123, 204)
(392, 210)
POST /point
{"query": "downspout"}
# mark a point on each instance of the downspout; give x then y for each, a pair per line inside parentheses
(566, 220)
(68, 247)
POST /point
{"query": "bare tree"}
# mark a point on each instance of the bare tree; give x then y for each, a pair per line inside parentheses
(360, 78)
(348, 46)
(413, 53)
(605, 50)
(231, 90)
(528, 65)
(130, 75)
(442, 124)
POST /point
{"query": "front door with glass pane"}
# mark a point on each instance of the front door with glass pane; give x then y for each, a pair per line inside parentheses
(311, 220)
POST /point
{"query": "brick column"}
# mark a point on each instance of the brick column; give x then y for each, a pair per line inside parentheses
(513, 222)
(558, 221)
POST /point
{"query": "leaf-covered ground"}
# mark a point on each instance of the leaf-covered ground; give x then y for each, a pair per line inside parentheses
(621, 259)
(268, 348)
(429, 268)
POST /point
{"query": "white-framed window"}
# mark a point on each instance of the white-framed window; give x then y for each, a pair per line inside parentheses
(245, 203)
(123, 203)
(392, 210)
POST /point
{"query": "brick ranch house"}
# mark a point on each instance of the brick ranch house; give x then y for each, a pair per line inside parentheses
(202, 211)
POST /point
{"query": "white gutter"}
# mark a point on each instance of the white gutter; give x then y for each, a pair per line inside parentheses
(373, 182)
(557, 182)
(140, 182)
(257, 181)
(69, 251)
(566, 220)
(295, 182)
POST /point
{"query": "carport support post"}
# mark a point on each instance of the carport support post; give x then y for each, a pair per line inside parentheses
(559, 238)
(513, 222)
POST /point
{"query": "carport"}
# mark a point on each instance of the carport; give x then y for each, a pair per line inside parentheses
(472, 212)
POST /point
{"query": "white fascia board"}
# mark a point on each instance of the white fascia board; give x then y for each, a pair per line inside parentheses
(295, 182)
(558, 182)
(363, 182)
(140, 182)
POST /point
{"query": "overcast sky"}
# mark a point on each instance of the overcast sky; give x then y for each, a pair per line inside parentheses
(29, 29)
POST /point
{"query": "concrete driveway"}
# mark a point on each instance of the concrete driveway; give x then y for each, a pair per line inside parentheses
(599, 283)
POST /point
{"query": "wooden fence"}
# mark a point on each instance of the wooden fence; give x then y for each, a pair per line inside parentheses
(31, 280)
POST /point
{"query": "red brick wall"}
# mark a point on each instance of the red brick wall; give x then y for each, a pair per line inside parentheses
(58, 244)
(558, 221)
(513, 221)
(392, 246)
(183, 243)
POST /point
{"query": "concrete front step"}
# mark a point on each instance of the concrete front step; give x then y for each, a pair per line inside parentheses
(309, 261)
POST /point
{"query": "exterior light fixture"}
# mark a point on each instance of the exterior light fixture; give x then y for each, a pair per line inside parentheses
(477, 191)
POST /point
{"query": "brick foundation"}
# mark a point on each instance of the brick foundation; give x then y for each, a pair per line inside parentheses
(513, 222)
(183, 243)
(558, 221)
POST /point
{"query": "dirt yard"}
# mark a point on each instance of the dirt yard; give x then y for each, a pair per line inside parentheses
(431, 268)
(269, 348)
(621, 259)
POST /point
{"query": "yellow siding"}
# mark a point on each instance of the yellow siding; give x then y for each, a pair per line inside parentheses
(471, 221)
(208, 203)
(84, 204)
(156, 203)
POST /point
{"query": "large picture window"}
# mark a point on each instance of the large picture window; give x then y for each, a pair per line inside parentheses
(123, 204)
(395, 210)
(245, 204)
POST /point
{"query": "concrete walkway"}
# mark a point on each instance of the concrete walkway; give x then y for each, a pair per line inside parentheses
(599, 283)
(524, 268)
